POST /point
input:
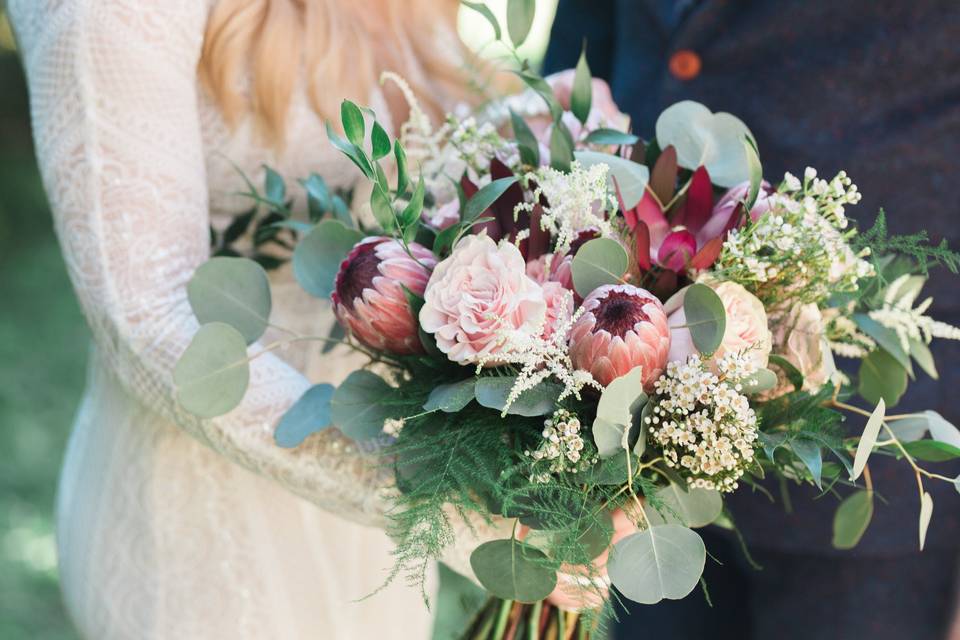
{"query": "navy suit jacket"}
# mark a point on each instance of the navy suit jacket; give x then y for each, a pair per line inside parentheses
(868, 86)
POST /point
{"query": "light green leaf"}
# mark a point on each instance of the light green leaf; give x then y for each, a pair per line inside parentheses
(382, 210)
(660, 562)
(641, 446)
(690, 508)
(631, 177)
(519, 19)
(868, 439)
(492, 392)
(599, 262)
(582, 95)
(352, 119)
(941, 430)
(545, 91)
(762, 380)
(274, 188)
(485, 197)
(756, 171)
(308, 415)
(713, 140)
(852, 519)
(380, 141)
(932, 451)
(921, 353)
(512, 570)
(212, 374)
(359, 405)
(886, 338)
(910, 429)
(882, 377)
(610, 136)
(318, 196)
(482, 9)
(234, 291)
(617, 409)
(318, 255)
(706, 317)
(451, 398)
(926, 512)
(352, 151)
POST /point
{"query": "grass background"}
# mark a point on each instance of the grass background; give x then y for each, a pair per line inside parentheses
(43, 345)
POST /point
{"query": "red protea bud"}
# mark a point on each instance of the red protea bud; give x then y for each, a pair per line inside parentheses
(622, 327)
(368, 296)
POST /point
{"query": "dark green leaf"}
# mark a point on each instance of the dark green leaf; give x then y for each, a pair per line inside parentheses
(380, 141)
(561, 147)
(886, 338)
(611, 136)
(527, 142)
(485, 197)
(545, 91)
(352, 151)
(932, 450)
(308, 415)
(414, 208)
(852, 519)
(810, 454)
(793, 374)
(882, 376)
(403, 179)
(352, 119)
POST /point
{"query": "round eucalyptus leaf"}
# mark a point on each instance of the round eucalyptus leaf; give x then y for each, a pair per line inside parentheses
(212, 374)
(451, 398)
(706, 317)
(882, 377)
(852, 519)
(761, 380)
(661, 562)
(691, 508)
(234, 291)
(308, 415)
(702, 138)
(619, 403)
(631, 177)
(492, 392)
(358, 407)
(512, 570)
(318, 255)
(599, 262)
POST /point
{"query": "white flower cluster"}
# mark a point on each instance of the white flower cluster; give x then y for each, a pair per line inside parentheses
(801, 244)
(845, 338)
(578, 201)
(909, 322)
(561, 448)
(702, 423)
(478, 143)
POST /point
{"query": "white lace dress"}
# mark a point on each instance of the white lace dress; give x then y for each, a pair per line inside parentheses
(168, 526)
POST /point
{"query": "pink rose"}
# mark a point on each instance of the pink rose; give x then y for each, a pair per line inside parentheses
(552, 267)
(746, 330)
(559, 301)
(477, 297)
(622, 327)
(368, 297)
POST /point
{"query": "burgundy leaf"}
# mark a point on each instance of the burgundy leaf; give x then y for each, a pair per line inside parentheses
(663, 178)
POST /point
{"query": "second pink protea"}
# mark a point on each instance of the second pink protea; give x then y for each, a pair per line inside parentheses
(368, 296)
(622, 327)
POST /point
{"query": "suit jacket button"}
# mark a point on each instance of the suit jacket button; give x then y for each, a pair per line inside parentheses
(685, 64)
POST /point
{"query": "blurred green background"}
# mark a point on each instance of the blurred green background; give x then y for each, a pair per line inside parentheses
(43, 344)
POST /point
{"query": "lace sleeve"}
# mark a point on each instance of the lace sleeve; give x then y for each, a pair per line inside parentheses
(114, 106)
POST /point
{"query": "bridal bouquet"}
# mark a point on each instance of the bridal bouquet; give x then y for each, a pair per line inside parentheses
(594, 336)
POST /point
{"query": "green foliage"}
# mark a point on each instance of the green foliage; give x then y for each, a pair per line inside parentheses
(494, 391)
(618, 410)
(212, 374)
(629, 178)
(317, 258)
(706, 317)
(599, 262)
(581, 96)
(852, 519)
(661, 562)
(234, 291)
(513, 570)
(882, 377)
(915, 246)
(520, 15)
(310, 414)
(361, 404)
(485, 197)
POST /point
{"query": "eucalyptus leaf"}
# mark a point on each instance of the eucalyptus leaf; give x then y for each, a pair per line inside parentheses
(519, 19)
(926, 512)
(760, 381)
(942, 430)
(360, 406)
(881, 377)
(485, 197)
(213, 373)
(512, 570)
(581, 96)
(932, 451)
(274, 188)
(852, 519)
(692, 507)
(318, 255)
(706, 317)
(702, 138)
(235, 291)
(318, 196)
(598, 262)
(631, 177)
(610, 136)
(663, 562)
(619, 404)
(308, 415)
(451, 398)
(492, 392)
(868, 439)
(910, 429)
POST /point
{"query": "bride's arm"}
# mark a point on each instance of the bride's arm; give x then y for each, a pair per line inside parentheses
(114, 103)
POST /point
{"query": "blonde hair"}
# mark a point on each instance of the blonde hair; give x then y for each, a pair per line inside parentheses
(341, 46)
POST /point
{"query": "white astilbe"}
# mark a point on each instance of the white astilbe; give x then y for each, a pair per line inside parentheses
(540, 358)
(578, 201)
(845, 338)
(910, 323)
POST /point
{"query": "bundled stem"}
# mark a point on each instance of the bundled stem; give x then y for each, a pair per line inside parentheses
(509, 620)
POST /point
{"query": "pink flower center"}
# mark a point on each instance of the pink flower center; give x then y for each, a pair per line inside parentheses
(620, 312)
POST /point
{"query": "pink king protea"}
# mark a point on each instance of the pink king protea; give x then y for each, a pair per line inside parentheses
(368, 296)
(622, 327)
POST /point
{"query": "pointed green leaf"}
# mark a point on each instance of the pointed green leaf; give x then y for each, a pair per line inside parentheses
(561, 147)
(610, 136)
(852, 519)
(380, 141)
(582, 95)
(485, 197)
(451, 398)
(932, 451)
(403, 179)
(519, 19)
(352, 119)
(526, 141)
(274, 188)
(868, 439)
(483, 10)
